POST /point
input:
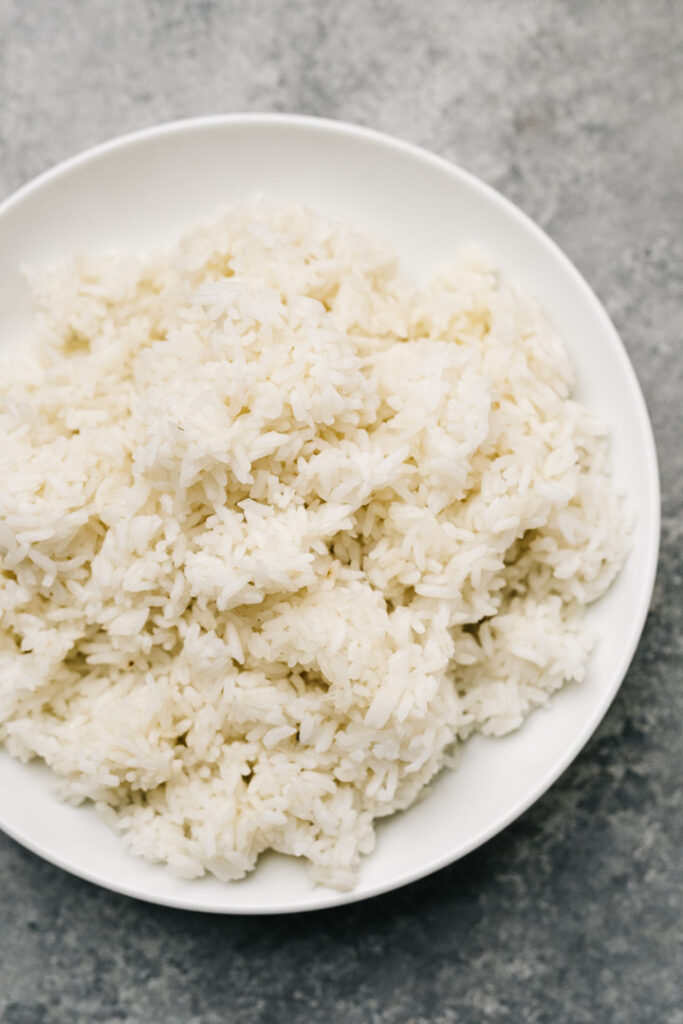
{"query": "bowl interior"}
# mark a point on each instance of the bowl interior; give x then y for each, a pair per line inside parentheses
(144, 190)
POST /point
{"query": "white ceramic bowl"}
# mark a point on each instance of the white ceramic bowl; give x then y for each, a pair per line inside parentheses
(146, 188)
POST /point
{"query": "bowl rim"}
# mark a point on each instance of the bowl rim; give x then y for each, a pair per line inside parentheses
(330, 126)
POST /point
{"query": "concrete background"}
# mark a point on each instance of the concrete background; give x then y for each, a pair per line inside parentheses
(575, 111)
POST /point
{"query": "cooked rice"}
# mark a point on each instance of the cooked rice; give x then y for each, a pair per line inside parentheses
(278, 527)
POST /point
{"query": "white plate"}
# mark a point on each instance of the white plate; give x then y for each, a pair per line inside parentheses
(144, 189)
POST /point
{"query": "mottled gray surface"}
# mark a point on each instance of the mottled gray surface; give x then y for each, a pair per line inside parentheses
(575, 111)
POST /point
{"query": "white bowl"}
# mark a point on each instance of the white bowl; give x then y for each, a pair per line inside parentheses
(144, 189)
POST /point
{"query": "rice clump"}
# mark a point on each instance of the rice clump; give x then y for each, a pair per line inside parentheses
(278, 527)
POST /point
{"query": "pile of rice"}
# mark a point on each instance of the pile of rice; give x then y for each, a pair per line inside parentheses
(278, 527)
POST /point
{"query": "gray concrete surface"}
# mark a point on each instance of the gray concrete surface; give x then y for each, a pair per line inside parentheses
(575, 111)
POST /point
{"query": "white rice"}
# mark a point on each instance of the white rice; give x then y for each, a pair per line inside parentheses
(278, 527)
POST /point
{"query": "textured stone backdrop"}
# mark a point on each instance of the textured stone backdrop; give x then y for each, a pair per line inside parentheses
(575, 111)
